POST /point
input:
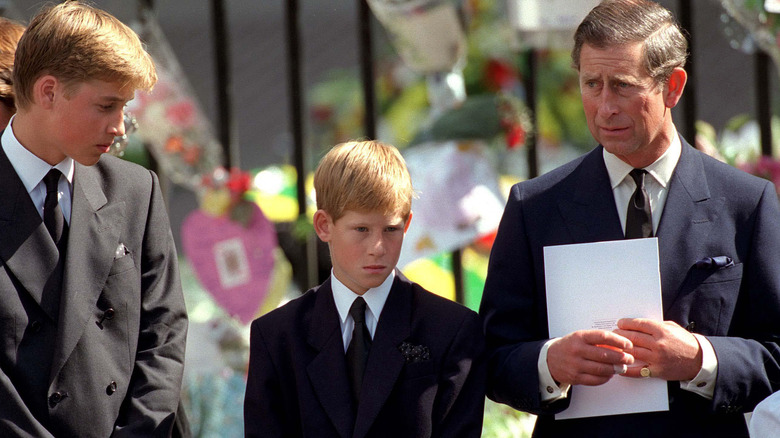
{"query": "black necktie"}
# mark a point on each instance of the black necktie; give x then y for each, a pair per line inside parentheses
(357, 352)
(52, 213)
(639, 219)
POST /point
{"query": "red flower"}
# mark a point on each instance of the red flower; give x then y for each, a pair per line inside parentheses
(499, 75)
(322, 113)
(174, 144)
(239, 182)
(181, 114)
(515, 136)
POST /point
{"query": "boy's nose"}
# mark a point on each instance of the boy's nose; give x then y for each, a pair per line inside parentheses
(378, 246)
(117, 127)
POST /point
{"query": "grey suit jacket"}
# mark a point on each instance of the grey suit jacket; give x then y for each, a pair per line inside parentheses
(104, 357)
(712, 209)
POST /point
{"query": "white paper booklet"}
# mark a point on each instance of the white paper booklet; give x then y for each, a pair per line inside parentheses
(592, 285)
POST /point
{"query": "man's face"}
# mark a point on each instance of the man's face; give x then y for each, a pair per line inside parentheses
(364, 247)
(85, 120)
(625, 109)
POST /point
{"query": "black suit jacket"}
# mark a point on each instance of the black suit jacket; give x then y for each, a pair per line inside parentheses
(62, 373)
(712, 209)
(297, 383)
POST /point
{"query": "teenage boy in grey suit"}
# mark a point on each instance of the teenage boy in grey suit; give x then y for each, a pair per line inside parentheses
(92, 318)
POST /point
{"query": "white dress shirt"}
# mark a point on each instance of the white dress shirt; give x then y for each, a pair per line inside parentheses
(32, 169)
(623, 187)
(375, 302)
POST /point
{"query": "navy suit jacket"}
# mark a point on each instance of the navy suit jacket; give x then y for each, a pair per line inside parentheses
(297, 383)
(102, 356)
(712, 209)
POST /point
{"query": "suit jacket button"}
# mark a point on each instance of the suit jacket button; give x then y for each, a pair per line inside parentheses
(109, 313)
(691, 326)
(35, 326)
(111, 388)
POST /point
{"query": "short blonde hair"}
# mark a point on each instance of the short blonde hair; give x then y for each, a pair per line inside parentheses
(366, 176)
(77, 43)
(10, 32)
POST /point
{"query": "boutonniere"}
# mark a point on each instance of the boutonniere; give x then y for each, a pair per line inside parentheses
(414, 353)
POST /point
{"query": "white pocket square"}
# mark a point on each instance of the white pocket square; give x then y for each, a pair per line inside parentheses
(121, 251)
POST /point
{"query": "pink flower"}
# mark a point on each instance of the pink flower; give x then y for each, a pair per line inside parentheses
(181, 114)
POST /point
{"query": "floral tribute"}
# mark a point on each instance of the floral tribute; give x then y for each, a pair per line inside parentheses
(765, 167)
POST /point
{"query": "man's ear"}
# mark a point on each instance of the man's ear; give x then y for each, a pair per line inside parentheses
(44, 90)
(673, 89)
(322, 225)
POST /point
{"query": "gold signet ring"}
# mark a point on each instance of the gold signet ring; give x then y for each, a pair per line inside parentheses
(644, 372)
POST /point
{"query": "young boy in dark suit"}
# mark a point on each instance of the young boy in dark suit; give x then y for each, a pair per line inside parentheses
(92, 317)
(367, 353)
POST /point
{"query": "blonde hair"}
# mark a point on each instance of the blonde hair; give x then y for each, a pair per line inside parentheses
(77, 43)
(10, 32)
(366, 176)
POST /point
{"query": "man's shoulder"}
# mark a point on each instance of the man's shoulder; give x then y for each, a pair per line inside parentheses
(560, 176)
(724, 178)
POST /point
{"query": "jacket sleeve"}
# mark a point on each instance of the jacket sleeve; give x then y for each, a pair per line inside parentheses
(155, 386)
(262, 402)
(749, 357)
(514, 316)
(460, 403)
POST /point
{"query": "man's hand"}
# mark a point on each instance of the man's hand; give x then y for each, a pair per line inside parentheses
(588, 357)
(670, 351)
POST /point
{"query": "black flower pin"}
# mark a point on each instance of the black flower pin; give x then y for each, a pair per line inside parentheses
(414, 353)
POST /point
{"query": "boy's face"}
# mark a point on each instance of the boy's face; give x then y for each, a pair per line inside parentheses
(84, 120)
(364, 246)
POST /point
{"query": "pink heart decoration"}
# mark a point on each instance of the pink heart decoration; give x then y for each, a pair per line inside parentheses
(233, 263)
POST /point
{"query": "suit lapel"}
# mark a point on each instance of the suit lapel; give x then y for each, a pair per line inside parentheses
(385, 361)
(688, 216)
(328, 370)
(26, 249)
(92, 243)
(588, 207)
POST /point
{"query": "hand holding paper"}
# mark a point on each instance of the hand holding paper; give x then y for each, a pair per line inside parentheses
(588, 357)
(589, 288)
(671, 352)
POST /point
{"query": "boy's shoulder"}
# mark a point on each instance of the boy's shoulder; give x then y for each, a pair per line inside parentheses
(292, 312)
(428, 305)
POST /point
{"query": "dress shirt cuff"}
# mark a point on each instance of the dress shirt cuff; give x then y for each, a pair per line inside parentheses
(704, 382)
(549, 390)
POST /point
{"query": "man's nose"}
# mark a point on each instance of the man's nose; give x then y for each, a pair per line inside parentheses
(607, 103)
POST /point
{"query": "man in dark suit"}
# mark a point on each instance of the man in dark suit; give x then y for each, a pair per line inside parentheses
(718, 233)
(92, 318)
(406, 363)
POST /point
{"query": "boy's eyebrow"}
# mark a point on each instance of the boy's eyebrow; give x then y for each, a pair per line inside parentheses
(114, 98)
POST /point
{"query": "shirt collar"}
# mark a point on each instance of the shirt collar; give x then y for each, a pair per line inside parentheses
(661, 170)
(27, 165)
(375, 297)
